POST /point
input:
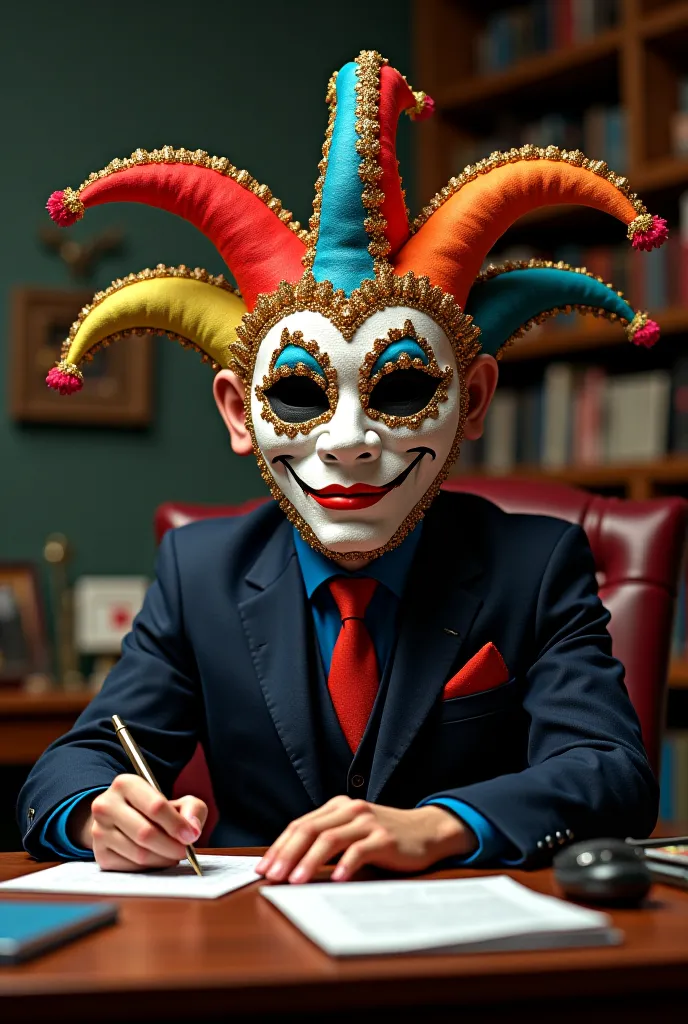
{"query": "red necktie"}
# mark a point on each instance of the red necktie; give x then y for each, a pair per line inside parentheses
(354, 677)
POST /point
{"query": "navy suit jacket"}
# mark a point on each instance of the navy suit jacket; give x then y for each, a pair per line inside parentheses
(223, 651)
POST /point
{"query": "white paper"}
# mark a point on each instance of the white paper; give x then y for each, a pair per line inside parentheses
(220, 875)
(468, 914)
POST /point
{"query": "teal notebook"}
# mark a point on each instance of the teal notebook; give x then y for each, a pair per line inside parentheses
(28, 928)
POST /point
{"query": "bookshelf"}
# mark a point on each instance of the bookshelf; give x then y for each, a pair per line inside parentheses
(635, 62)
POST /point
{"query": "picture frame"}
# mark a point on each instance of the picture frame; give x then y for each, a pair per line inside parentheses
(104, 610)
(117, 383)
(23, 638)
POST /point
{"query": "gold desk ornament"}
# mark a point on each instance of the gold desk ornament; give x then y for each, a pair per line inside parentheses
(57, 553)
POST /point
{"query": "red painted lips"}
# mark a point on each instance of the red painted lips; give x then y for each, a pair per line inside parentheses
(357, 496)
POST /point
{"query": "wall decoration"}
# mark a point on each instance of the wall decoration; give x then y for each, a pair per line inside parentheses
(104, 609)
(81, 258)
(119, 377)
(23, 644)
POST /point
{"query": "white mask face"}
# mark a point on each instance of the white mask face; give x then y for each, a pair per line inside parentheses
(374, 424)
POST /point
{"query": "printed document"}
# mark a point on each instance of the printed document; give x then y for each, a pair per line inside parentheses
(461, 915)
(220, 876)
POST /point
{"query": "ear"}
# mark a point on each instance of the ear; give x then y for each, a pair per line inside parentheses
(229, 391)
(480, 381)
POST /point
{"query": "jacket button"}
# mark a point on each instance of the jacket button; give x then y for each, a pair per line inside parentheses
(32, 813)
(550, 842)
(540, 844)
(357, 781)
(560, 838)
(569, 833)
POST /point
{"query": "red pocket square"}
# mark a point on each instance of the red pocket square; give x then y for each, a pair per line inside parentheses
(484, 671)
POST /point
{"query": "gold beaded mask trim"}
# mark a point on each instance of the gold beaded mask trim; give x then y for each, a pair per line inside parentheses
(348, 312)
(284, 392)
(356, 473)
(404, 398)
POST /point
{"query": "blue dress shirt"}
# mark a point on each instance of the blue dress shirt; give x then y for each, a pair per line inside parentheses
(391, 571)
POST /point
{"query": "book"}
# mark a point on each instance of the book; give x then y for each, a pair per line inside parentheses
(588, 428)
(679, 406)
(457, 915)
(529, 426)
(500, 432)
(30, 928)
(637, 413)
(557, 410)
(681, 776)
(666, 779)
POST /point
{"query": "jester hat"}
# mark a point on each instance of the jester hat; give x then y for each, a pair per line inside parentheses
(360, 252)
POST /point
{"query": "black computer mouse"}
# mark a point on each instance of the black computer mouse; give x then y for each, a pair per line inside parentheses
(605, 871)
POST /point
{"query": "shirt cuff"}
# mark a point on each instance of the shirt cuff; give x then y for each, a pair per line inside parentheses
(492, 845)
(54, 834)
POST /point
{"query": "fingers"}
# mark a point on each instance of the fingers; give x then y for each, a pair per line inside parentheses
(289, 848)
(329, 843)
(140, 830)
(115, 851)
(375, 848)
(134, 826)
(154, 806)
(193, 810)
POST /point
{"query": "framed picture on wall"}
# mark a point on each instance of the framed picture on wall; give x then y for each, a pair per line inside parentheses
(23, 642)
(117, 388)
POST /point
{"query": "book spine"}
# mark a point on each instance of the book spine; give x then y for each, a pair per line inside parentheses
(666, 780)
(681, 776)
(500, 432)
(656, 279)
(557, 412)
(589, 426)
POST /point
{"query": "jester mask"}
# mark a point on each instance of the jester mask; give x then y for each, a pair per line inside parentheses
(352, 337)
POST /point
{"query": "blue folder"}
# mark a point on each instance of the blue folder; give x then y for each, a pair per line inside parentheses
(28, 928)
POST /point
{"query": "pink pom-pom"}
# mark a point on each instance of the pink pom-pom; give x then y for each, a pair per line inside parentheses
(653, 237)
(59, 212)
(426, 111)
(65, 383)
(648, 335)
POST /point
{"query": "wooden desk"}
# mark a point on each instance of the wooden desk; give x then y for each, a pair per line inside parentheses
(29, 722)
(237, 958)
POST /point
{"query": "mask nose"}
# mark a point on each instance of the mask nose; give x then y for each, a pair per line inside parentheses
(348, 440)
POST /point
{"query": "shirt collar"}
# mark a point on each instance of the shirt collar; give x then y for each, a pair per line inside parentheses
(391, 568)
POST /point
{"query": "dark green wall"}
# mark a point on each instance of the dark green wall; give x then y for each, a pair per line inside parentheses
(82, 83)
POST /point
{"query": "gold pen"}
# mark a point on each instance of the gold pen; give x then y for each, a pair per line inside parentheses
(142, 769)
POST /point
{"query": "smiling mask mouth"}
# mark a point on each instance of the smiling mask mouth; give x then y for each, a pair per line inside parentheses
(357, 496)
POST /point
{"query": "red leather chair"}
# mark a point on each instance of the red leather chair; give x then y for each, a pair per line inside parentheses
(638, 549)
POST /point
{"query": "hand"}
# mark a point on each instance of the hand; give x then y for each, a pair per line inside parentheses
(132, 826)
(367, 834)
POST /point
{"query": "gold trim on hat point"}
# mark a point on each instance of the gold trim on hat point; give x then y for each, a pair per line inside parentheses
(366, 383)
(539, 318)
(197, 274)
(311, 239)
(328, 383)
(199, 158)
(367, 128)
(528, 152)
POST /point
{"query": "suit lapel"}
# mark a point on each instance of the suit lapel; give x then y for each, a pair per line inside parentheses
(275, 623)
(435, 620)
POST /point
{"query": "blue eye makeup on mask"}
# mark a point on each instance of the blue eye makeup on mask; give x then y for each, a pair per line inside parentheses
(395, 349)
(291, 355)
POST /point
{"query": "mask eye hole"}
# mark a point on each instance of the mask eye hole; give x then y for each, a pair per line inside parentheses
(296, 399)
(299, 390)
(400, 380)
(403, 392)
